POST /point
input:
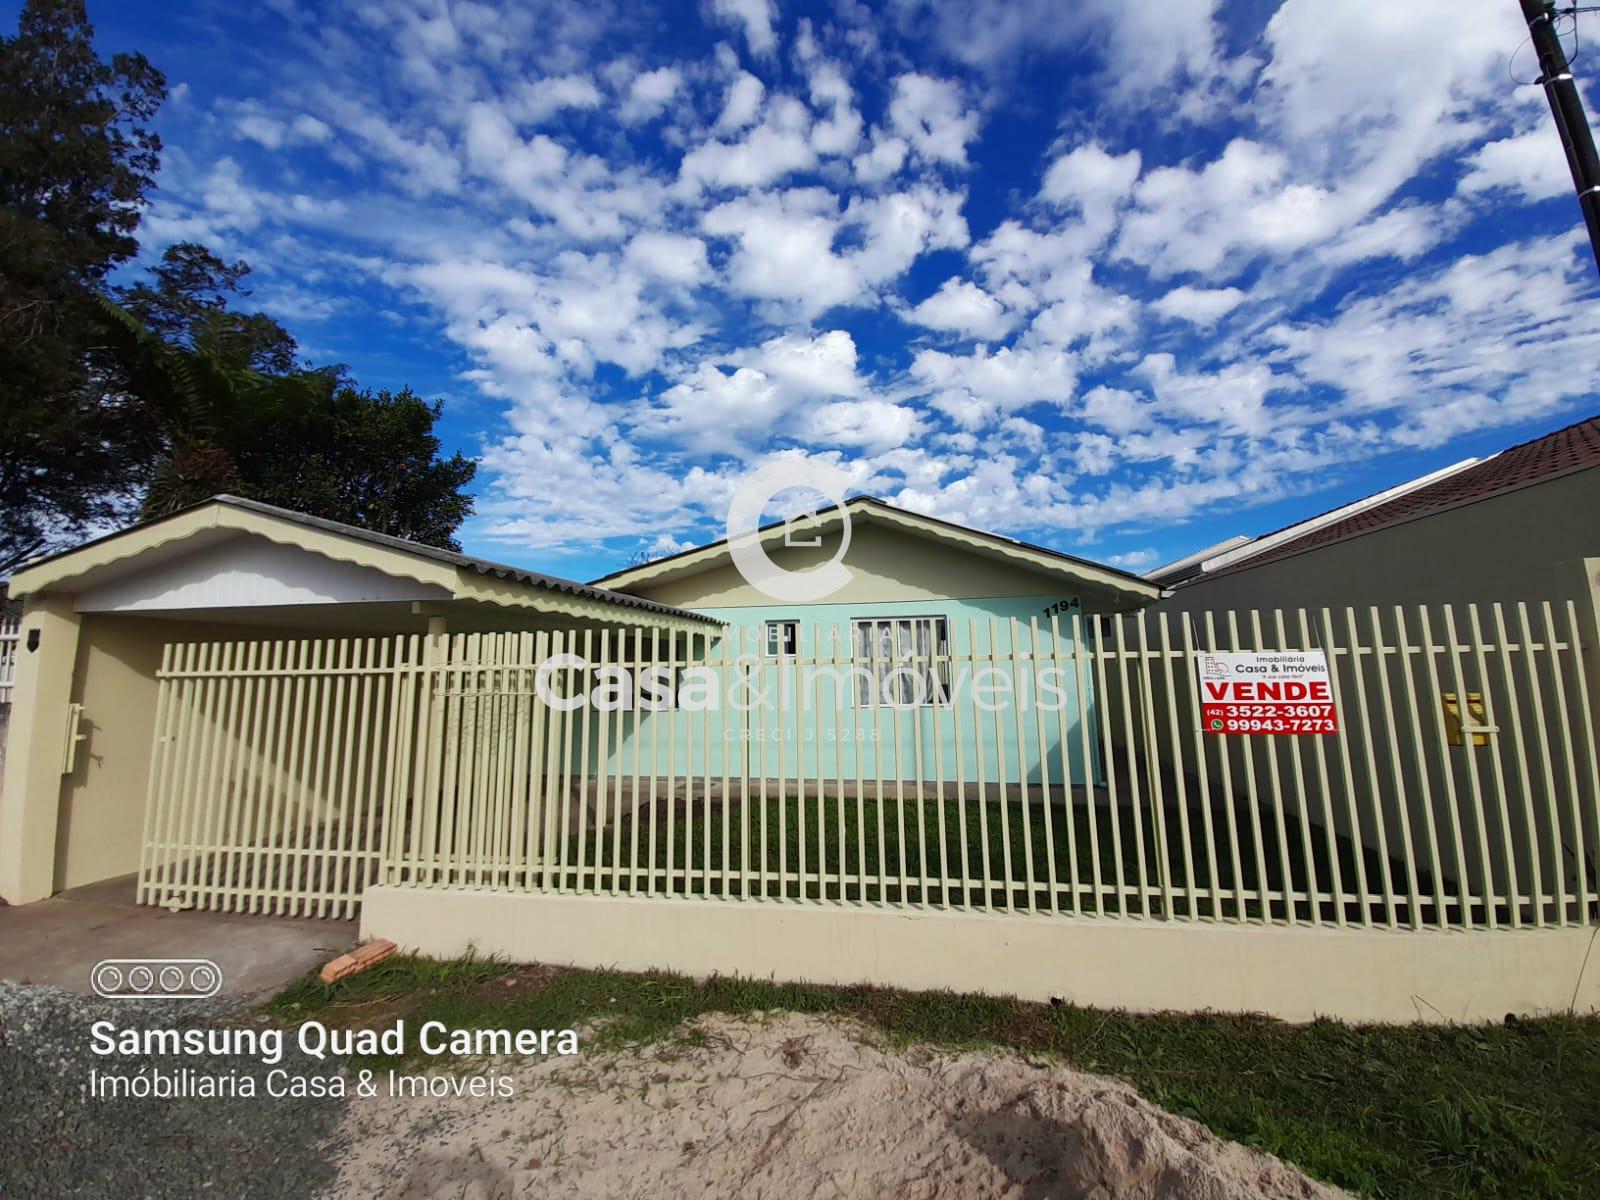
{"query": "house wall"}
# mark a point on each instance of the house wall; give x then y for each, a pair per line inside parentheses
(893, 574)
(102, 802)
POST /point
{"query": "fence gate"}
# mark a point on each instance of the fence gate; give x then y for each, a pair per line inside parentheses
(269, 771)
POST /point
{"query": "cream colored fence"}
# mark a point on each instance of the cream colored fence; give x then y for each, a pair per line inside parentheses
(1052, 768)
(269, 773)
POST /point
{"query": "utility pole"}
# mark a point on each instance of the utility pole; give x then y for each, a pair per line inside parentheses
(1567, 108)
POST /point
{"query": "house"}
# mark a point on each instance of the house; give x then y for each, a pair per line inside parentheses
(226, 572)
(1522, 524)
(921, 594)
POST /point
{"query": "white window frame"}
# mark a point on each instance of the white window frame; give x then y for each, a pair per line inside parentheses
(894, 651)
(787, 644)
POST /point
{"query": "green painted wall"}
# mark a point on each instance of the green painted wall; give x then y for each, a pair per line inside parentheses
(813, 725)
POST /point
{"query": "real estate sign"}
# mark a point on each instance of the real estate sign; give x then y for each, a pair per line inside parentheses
(1266, 691)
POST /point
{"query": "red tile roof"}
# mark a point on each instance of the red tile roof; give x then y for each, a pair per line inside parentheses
(1571, 449)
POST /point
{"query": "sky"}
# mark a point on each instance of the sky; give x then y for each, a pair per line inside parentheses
(1121, 278)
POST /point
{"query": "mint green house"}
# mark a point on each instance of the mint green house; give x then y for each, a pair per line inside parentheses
(928, 662)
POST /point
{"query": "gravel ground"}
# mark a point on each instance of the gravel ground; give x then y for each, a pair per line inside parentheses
(56, 1140)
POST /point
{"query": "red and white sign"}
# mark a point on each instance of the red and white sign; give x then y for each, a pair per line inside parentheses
(1266, 691)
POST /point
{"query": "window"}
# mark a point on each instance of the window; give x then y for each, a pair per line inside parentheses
(783, 639)
(900, 660)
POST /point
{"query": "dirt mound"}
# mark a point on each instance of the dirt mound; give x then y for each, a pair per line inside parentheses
(789, 1107)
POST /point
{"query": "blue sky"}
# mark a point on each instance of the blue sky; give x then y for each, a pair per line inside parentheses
(1123, 279)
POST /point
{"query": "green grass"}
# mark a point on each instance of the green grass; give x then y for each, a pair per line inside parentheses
(914, 852)
(1507, 1110)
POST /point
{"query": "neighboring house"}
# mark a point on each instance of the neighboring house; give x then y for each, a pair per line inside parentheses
(1523, 524)
(920, 590)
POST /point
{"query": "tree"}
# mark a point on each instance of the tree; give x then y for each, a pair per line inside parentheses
(76, 161)
(110, 409)
(365, 458)
(310, 440)
(185, 301)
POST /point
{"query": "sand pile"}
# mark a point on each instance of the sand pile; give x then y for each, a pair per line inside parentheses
(791, 1106)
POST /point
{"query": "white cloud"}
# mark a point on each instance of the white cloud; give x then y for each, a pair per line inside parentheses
(743, 105)
(874, 426)
(1198, 306)
(960, 306)
(755, 18)
(931, 115)
(1530, 164)
(777, 147)
(649, 94)
(670, 257)
(882, 161)
(785, 243)
(540, 99)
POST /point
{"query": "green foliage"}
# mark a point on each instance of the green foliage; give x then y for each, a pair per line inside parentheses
(1386, 1111)
(308, 439)
(76, 160)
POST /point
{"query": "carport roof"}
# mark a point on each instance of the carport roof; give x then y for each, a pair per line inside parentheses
(44, 573)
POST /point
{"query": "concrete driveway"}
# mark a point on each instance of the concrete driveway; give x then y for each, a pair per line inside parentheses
(57, 941)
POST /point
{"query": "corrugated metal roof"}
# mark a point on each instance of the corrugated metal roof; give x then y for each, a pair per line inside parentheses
(1573, 448)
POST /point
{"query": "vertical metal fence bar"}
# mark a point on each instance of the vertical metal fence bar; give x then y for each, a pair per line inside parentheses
(1257, 843)
(1369, 752)
(961, 689)
(1564, 725)
(1475, 787)
(1420, 761)
(1203, 782)
(1025, 815)
(1275, 783)
(1069, 800)
(1180, 783)
(1302, 803)
(1130, 744)
(1542, 739)
(1587, 733)
(1380, 652)
(1046, 801)
(1496, 774)
(1088, 704)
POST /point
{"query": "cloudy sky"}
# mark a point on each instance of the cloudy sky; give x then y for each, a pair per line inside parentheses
(1121, 278)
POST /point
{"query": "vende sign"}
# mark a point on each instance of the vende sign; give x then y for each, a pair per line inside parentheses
(1266, 691)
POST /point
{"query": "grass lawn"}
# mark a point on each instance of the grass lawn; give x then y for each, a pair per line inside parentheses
(1502, 1110)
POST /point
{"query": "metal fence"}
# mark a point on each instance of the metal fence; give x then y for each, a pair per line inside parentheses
(1055, 768)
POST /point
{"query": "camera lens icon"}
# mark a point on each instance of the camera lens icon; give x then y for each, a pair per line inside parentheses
(156, 978)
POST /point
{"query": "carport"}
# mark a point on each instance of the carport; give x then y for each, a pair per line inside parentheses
(99, 620)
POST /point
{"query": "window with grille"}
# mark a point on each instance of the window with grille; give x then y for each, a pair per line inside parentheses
(901, 660)
(783, 639)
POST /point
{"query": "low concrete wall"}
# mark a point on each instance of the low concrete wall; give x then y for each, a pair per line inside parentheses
(1294, 973)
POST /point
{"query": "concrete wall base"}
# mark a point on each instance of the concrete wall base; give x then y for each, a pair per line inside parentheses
(1296, 973)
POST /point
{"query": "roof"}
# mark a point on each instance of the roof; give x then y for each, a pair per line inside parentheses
(22, 582)
(1562, 452)
(1082, 569)
(1191, 565)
